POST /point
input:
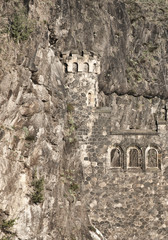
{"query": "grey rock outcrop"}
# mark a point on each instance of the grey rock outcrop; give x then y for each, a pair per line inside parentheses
(61, 124)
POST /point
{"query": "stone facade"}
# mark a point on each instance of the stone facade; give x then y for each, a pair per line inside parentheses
(90, 176)
(124, 167)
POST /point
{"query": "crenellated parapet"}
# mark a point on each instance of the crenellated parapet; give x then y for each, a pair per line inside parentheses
(86, 62)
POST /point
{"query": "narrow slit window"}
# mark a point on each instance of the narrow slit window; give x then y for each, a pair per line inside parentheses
(89, 99)
(65, 67)
(94, 67)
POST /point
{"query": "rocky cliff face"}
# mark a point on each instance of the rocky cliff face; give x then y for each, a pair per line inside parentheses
(44, 192)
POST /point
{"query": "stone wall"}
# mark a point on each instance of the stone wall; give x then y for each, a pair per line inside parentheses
(125, 181)
(125, 202)
(50, 124)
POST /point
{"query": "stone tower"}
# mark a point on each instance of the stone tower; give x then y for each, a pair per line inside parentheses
(81, 71)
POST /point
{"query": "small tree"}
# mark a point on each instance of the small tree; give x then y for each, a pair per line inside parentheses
(20, 27)
(38, 188)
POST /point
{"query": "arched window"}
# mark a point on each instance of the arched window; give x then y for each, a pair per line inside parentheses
(75, 67)
(86, 67)
(65, 67)
(115, 157)
(133, 157)
(152, 158)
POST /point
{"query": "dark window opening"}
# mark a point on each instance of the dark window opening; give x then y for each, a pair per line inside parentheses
(152, 158)
(115, 158)
(133, 158)
(65, 67)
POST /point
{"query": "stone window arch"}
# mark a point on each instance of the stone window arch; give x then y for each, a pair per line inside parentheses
(65, 67)
(134, 156)
(152, 157)
(75, 67)
(115, 157)
(86, 67)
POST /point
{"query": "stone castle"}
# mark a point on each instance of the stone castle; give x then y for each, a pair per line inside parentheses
(123, 167)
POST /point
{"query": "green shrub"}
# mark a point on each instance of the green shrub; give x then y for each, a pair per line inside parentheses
(30, 138)
(74, 187)
(38, 185)
(6, 238)
(70, 107)
(20, 27)
(91, 228)
(5, 226)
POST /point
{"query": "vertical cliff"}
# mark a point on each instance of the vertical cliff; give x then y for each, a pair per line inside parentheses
(51, 130)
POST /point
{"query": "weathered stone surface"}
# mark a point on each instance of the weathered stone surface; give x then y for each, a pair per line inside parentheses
(62, 126)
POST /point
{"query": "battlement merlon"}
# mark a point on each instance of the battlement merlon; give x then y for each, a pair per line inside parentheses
(87, 62)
